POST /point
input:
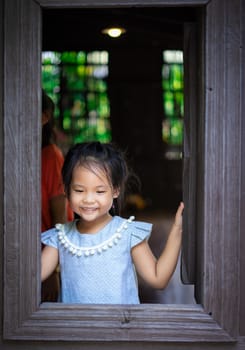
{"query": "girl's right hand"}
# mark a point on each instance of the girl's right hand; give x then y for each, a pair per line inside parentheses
(49, 261)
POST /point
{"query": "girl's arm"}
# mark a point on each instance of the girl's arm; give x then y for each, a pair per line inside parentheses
(49, 261)
(157, 273)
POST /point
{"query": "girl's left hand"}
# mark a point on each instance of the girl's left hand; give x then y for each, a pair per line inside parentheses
(179, 216)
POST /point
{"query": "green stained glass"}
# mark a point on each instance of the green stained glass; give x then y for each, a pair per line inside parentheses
(91, 98)
(50, 78)
(69, 57)
(102, 86)
(166, 130)
(79, 106)
(81, 71)
(99, 71)
(179, 103)
(176, 131)
(66, 119)
(173, 97)
(80, 124)
(91, 84)
(172, 131)
(104, 106)
(50, 58)
(168, 99)
(81, 57)
(79, 138)
(103, 131)
(76, 81)
(165, 77)
(98, 57)
(73, 81)
(89, 70)
(176, 77)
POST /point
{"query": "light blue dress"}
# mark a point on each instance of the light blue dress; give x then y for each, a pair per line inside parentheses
(98, 268)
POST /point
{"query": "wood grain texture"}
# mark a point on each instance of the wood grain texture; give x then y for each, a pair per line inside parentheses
(218, 198)
(191, 115)
(121, 3)
(22, 144)
(222, 159)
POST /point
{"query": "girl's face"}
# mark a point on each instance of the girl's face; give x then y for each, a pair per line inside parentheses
(91, 194)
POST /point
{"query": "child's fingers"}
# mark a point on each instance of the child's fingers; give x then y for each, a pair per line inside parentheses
(178, 216)
(180, 209)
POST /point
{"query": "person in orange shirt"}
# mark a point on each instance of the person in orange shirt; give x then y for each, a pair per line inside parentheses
(55, 207)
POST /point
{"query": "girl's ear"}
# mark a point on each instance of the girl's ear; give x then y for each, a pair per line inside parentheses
(116, 193)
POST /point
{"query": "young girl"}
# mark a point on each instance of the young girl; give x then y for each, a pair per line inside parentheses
(99, 252)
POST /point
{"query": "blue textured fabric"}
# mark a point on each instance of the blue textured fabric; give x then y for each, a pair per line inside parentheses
(107, 274)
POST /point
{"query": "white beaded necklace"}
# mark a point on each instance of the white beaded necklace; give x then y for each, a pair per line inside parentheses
(90, 251)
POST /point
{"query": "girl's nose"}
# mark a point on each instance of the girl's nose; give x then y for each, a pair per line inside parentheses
(88, 198)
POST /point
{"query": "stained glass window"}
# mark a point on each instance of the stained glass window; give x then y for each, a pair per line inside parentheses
(77, 82)
(173, 101)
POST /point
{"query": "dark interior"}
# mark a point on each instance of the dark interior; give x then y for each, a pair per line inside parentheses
(134, 82)
(73, 29)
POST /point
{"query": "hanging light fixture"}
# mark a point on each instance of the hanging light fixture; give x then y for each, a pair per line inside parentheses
(114, 32)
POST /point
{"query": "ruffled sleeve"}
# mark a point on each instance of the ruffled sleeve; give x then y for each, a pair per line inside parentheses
(50, 237)
(139, 232)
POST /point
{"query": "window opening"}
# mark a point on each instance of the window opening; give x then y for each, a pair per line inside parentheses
(173, 102)
(77, 83)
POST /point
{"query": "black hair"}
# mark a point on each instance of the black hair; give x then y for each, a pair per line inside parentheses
(103, 156)
(48, 129)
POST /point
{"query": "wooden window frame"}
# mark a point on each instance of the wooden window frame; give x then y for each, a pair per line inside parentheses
(215, 319)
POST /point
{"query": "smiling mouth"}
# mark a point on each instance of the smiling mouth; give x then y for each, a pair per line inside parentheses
(88, 209)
